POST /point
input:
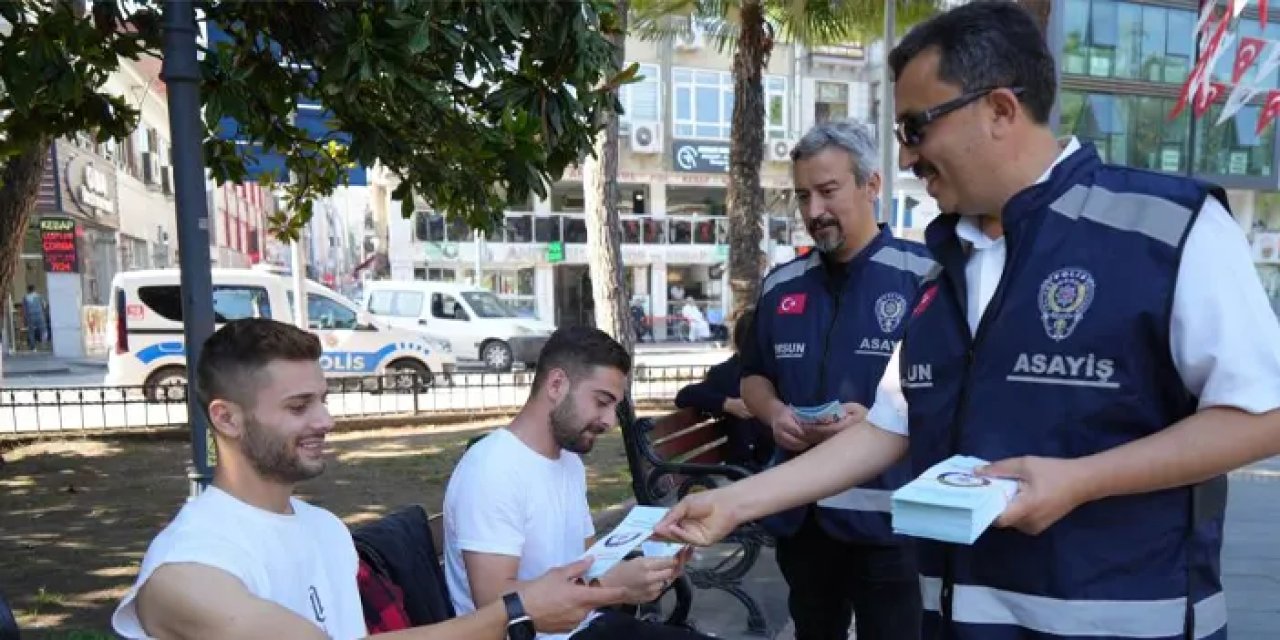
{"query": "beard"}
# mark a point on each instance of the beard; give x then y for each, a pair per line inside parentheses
(825, 243)
(275, 457)
(568, 429)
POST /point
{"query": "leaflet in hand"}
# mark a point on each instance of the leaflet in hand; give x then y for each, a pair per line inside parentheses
(949, 503)
(821, 414)
(633, 531)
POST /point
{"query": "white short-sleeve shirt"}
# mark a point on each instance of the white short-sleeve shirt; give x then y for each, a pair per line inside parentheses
(304, 561)
(506, 499)
(1224, 337)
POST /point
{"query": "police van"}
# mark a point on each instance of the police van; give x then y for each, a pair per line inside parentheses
(145, 339)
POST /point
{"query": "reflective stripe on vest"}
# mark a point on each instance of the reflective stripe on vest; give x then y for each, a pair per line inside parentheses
(1076, 618)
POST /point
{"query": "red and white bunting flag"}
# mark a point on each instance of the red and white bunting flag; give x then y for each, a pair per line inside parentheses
(1203, 69)
(1269, 111)
(1262, 13)
(1247, 53)
(1209, 94)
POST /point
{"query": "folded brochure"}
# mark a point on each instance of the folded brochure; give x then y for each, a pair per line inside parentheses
(949, 502)
(634, 531)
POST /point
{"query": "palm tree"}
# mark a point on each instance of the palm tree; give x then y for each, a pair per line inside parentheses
(751, 28)
(600, 191)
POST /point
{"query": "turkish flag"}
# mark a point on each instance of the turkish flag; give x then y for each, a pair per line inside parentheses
(1246, 54)
(1270, 109)
(1208, 95)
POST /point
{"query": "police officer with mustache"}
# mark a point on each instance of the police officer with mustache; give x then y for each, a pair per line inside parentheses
(825, 328)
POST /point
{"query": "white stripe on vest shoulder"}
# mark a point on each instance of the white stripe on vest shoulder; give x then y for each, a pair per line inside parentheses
(905, 261)
(789, 271)
(974, 604)
(1152, 216)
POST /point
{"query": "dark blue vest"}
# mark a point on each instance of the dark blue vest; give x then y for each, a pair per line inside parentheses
(1071, 358)
(818, 340)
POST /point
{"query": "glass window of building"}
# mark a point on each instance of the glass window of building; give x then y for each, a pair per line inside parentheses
(1128, 41)
(832, 101)
(702, 103)
(775, 104)
(642, 101)
(1233, 148)
(514, 287)
(1129, 130)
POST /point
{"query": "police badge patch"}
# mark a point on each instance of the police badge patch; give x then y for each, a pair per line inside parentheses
(1064, 298)
(890, 308)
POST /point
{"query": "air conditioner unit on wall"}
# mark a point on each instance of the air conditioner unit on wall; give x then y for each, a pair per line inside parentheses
(646, 137)
(780, 150)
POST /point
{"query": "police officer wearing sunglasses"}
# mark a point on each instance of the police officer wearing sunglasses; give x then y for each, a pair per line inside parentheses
(1098, 332)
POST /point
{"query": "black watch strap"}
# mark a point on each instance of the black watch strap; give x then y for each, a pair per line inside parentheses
(519, 624)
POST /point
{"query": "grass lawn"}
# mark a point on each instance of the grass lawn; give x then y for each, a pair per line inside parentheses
(76, 517)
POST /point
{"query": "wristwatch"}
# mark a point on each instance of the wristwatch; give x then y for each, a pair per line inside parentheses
(519, 624)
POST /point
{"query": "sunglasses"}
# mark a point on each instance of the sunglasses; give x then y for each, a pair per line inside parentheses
(910, 128)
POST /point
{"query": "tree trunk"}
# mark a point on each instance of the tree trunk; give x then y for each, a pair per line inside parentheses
(1039, 10)
(604, 248)
(19, 186)
(746, 153)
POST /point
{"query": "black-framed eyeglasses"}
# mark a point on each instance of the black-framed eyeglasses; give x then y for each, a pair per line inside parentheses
(910, 128)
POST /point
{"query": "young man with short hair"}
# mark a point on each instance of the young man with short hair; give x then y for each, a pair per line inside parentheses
(246, 558)
(517, 501)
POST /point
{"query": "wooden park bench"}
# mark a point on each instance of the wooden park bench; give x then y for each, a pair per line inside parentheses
(681, 452)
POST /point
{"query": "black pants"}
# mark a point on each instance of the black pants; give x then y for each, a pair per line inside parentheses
(832, 581)
(611, 625)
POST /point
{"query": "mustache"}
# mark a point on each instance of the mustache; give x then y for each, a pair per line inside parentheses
(922, 169)
(822, 223)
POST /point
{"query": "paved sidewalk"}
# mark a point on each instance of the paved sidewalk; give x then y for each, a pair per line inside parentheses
(37, 364)
(1250, 568)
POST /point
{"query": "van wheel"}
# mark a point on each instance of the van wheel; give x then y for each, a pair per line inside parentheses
(496, 356)
(167, 384)
(407, 375)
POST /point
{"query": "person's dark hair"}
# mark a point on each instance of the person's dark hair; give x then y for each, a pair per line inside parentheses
(576, 351)
(31, 288)
(742, 329)
(986, 44)
(234, 356)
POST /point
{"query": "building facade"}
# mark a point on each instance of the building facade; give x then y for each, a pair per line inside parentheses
(1122, 66)
(673, 177)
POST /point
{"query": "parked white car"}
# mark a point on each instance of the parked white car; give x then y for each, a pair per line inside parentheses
(477, 324)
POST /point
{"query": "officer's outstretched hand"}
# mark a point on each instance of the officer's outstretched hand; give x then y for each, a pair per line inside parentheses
(1048, 489)
(701, 519)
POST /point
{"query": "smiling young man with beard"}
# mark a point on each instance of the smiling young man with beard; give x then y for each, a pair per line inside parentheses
(248, 560)
(517, 502)
(825, 328)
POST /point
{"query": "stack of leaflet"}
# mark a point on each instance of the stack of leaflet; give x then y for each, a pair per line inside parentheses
(949, 503)
(823, 414)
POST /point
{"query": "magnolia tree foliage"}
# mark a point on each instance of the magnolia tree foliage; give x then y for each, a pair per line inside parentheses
(471, 103)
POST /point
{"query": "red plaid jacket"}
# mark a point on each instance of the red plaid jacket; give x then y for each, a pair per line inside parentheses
(383, 601)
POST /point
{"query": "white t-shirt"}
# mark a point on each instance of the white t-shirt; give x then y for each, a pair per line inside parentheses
(305, 562)
(1223, 335)
(507, 499)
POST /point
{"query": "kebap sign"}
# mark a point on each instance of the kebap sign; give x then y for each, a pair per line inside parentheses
(58, 244)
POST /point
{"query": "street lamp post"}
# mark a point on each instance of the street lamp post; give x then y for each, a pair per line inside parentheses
(181, 74)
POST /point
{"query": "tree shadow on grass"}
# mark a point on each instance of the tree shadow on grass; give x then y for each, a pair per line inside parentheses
(77, 516)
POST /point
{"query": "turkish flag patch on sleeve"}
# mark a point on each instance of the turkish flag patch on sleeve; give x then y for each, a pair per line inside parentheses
(792, 305)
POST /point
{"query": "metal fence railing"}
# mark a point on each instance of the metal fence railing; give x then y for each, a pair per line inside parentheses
(72, 409)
